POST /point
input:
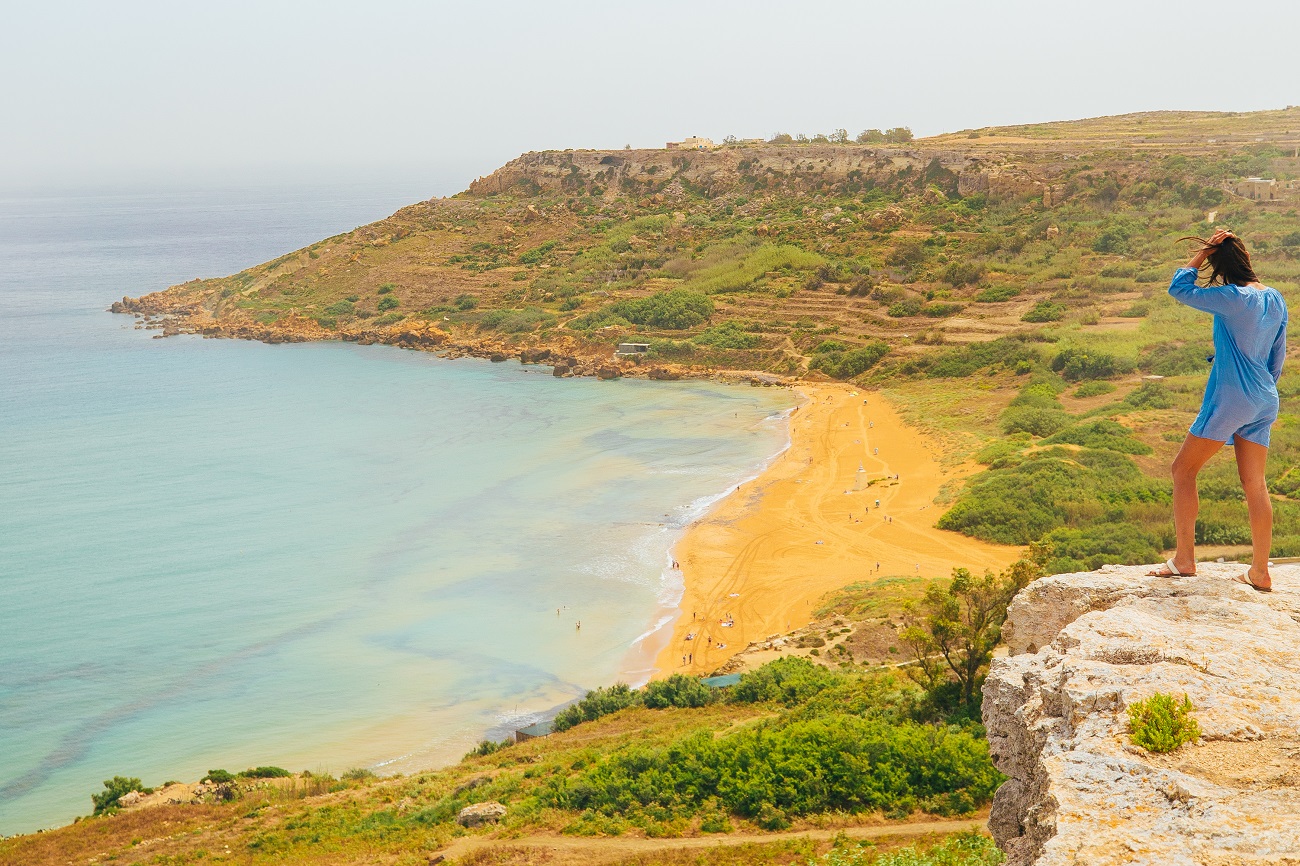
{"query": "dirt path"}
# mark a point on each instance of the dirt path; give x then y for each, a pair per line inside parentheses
(769, 552)
(576, 849)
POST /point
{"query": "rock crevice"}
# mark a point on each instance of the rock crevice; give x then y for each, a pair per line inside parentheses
(1082, 648)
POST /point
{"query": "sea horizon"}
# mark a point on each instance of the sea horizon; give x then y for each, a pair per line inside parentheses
(222, 553)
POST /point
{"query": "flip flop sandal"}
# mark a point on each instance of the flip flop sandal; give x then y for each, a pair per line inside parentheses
(1245, 579)
(1173, 571)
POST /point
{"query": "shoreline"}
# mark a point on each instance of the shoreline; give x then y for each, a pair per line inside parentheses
(650, 645)
(765, 554)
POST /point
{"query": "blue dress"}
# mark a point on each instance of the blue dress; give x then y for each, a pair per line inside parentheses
(1249, 347)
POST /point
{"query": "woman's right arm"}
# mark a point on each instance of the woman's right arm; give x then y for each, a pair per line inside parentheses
(1213, 299)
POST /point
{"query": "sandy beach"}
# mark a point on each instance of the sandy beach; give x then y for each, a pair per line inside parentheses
(768, 553)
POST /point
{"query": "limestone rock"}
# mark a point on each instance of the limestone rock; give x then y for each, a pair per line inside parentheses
(1085, 646)
(130, 798)
(479, 814)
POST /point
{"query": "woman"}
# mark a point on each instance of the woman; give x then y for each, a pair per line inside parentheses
(1240, 402)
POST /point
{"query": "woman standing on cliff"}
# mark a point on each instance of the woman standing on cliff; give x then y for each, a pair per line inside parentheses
(1240, 402)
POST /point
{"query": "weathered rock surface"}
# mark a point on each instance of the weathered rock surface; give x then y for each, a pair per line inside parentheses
(1085, 646)
(480, 813)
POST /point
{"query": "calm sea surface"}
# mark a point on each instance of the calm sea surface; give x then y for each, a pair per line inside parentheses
(223, 554)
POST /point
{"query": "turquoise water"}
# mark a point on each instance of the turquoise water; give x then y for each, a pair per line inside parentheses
(221, 554)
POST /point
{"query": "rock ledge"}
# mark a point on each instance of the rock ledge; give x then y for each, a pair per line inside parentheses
(1082, 648)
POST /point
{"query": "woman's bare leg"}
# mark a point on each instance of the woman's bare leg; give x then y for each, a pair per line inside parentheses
(1250, 468)
(1187, 465)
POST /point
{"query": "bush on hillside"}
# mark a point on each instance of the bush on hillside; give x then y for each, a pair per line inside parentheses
(673, 310)
(114, 790)
(780, 769)
(1108, 435)
(728, 335)
(597, 703)
(1075, 365)
(847, 364)
(1044, 311)
(678, 690)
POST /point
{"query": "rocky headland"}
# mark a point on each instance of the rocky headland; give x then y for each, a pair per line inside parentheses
(1083, 647)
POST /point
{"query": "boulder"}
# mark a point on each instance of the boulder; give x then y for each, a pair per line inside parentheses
(130, 798)
(479, 814)
(608, 373)
(1085, 646)
(497, 357)
(560, 370)
(534, 356)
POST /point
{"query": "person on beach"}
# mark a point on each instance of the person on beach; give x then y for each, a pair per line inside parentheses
(1240, 403)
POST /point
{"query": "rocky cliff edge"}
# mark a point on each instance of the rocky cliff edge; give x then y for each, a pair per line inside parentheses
(1085, 646)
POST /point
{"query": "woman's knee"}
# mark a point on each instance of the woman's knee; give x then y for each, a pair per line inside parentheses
(1184, 469)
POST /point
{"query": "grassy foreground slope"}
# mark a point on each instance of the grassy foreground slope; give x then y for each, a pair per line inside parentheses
(793, 747)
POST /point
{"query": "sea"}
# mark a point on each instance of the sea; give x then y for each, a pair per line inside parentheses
(225, 554)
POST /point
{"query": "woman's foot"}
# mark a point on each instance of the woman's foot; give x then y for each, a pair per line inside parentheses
(1258, 581)
(1172, 568)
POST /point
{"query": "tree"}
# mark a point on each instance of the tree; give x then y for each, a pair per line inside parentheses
(839, 136)
(114, 790)
(952, 630)
(781, 138)
(870, 136)
(898, 135)
(730, 139)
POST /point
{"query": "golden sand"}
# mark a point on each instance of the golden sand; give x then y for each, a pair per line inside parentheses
(769, 552)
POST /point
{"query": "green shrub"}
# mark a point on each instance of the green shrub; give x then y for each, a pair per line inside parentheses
(789, 680)
(597, 319)
(386, 288)
(961, 273)
(387, 303)
(1169, 360)
(1051, 489)
(1150, 395)
(1077, 364)
(597, 703)
(1044, 311)
(941, 310)
(1093, 389)
(114, 790)
(516, 321)
(266, 773)
(1106, 435)
(728, 335)
(340, 308)
(359, 774)
(997, 294)
(218, 777)
(774, 770)
(465, 302)
(1037, 421)
(905, 307)
(848, 364)
(1136, 311)
(1161, 724)
(674, 310)
(486, 747)
(536, 254)
(678, 690)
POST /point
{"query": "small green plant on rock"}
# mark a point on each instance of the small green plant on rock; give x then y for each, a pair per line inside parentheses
(1161, 724)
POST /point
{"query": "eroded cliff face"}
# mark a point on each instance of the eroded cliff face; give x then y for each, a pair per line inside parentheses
(1085, 646)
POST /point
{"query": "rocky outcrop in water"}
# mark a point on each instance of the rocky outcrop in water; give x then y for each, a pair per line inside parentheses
(1085, 646)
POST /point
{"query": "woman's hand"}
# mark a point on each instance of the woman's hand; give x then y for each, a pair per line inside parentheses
(1198, 258)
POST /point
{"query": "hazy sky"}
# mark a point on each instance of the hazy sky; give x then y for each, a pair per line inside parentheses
(138, 90)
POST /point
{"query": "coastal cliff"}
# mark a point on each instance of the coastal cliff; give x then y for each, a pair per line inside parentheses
(1083, 647)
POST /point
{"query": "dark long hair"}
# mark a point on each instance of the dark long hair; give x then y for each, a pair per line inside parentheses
(1229, 262)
